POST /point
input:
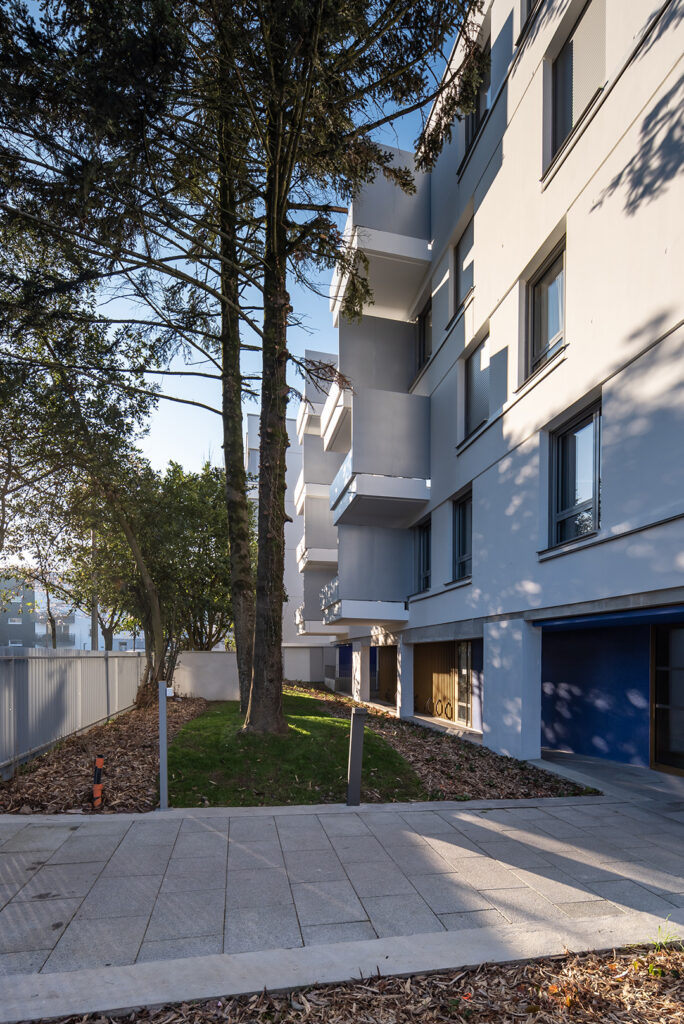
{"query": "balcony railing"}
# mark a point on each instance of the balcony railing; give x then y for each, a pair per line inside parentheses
(330, 593)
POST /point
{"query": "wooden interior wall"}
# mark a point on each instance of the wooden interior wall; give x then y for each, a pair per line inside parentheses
(387, 673)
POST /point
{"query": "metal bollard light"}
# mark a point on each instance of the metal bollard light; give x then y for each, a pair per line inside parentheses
(358, 721)
(163, 762)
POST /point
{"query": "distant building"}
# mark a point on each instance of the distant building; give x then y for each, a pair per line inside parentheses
(18, 615)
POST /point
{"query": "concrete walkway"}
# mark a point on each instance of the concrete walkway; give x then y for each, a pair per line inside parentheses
(340, 889)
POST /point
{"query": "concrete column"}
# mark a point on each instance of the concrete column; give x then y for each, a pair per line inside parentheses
(360, 672)
(511, 710)
(404, 679)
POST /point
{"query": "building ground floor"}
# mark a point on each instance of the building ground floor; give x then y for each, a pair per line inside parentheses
(606, 683)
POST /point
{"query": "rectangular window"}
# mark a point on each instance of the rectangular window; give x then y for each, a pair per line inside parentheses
(578, 71)
(424, 337)
(464, 267)
(464, 686)
(423, 544)
(547, 311)
(575, 479)
(483, 102)
(477, 388)
(15, 620)
(463, 538)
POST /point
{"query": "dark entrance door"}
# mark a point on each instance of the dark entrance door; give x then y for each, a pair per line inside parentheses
(668, 699)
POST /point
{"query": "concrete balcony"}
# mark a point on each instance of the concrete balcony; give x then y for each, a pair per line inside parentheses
(315, 558)
(315, 627)
(385, 478)
(308, 418)
(335, 420)
(340, 611)
(397, 259)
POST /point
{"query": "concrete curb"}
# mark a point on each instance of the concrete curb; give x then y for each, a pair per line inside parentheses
(116, 989)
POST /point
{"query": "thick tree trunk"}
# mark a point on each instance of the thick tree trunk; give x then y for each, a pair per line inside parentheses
(241, 577)
(265, 712)
(108, 637)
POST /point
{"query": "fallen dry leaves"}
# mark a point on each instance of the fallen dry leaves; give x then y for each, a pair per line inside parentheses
(449, 767)
(628, 986)
(61, 780)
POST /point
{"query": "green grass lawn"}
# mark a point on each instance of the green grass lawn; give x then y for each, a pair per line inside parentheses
(211, 764)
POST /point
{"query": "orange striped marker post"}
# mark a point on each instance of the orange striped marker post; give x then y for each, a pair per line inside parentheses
(97, 783)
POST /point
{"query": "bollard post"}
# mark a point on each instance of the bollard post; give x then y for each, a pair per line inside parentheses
(358, 721)
(163, 766)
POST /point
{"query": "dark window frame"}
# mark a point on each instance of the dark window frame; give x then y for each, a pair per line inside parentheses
(475, 120)
(423, 555)
(535, 361)
(558, 515)
(424, 336)
(469, 428)
(462, 510)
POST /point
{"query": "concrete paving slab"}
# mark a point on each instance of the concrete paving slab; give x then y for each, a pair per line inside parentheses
(145, 860)
(179, 915)
(454, 846)
(254, 829)
(120, 897)
(22, 963)
(556, 885)
(343, 824)
(201, 844)
(153, 833)
(427, 823)
(7, 891)
(34, 925)
(524, 906)
(211, 825)
(327, 903)
(37, 838)
(649, 875)
(261, 928)
(631, 896)
(485, 873)
(173, 949)
(316, 866)
(472, 919)
(512, 854)
(19, 867)
(360, 849)
(584, 911)
(448, 894)
(369, 881)
(82, 849)
(54, 881)
(97, 944)
(353, 931)
(304, 839)
(296, 820)
(400, 915)
(424, 860)
(269, 887)
(244, 856)
(187, 873)
(118, 989)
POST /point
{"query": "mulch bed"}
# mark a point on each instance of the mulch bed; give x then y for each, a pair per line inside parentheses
(61, 779)
(631, 986)
(452, 768)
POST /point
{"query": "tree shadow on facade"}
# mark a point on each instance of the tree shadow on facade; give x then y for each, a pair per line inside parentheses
(659, 156)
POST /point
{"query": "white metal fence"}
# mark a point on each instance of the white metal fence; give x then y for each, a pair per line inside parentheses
(46, 695)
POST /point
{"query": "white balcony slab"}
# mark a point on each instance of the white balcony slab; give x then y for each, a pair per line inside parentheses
(308, 419)
(316, 558)
(308, 490)
(370, 499)
(349, 613)
(335, 422)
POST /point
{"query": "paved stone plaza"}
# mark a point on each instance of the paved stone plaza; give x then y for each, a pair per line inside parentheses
(83, 893)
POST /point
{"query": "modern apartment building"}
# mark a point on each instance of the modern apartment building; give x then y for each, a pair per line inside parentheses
(494, 514)
(17, 614)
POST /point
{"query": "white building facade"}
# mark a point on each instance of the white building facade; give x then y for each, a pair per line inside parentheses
(494, 516)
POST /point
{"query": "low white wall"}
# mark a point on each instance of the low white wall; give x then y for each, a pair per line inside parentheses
(209, 674)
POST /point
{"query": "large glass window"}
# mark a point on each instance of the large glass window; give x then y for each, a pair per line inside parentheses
(464, 278)
(575, 479)
(547, 312)
(424, 337)
(578, 71)
(477, 388)
(463, 538)
(423, 545)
